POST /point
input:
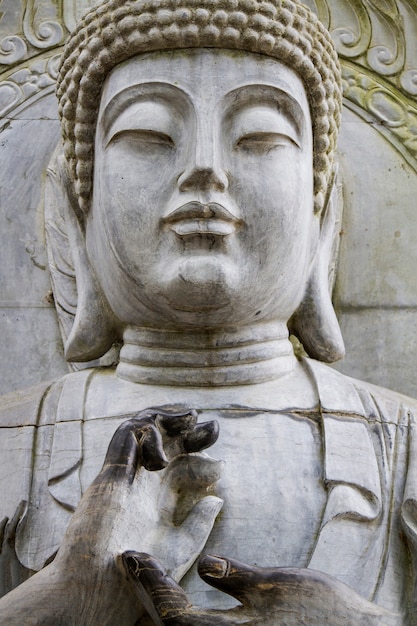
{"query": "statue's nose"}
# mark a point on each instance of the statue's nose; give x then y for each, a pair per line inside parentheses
(203, 179)
(204, 170)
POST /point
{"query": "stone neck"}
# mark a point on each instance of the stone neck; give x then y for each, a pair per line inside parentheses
(237, 356)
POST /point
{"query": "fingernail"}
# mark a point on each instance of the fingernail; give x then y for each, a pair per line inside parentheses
(213, 566)
(142, 566)
(130, 563)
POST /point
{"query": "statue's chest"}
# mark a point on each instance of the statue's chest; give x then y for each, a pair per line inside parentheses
(271, 483)
(273, 491)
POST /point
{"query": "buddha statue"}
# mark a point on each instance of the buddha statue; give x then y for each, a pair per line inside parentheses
(190, 212)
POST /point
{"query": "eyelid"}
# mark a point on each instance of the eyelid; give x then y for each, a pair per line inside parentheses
(264, 119)
(149, 135)
(267, 137)
(145, 115)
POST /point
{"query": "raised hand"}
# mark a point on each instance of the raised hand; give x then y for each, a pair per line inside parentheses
(129, 505)
(168, 513)
(268, 596)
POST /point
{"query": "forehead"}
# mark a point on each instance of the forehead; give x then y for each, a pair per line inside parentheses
(204, 75)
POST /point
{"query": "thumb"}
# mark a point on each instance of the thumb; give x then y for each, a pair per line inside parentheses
(163, 599)
(159, 594)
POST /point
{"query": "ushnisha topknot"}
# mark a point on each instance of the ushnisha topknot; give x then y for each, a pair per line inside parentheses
(115, 30)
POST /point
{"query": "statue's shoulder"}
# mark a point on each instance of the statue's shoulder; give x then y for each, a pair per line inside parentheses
(21, 408)
(45, 403)
(27, 424)
(381, 394)
(343, 394)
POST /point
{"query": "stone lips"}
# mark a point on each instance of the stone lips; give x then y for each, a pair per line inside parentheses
(117, 30)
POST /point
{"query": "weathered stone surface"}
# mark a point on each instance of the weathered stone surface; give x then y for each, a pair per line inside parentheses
(211, 222)
(31, 345)
(376, 289)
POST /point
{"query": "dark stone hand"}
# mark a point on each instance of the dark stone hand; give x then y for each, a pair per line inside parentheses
(152, 438)
(268, 596)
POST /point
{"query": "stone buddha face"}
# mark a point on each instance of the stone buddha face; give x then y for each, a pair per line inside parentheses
(202, 208)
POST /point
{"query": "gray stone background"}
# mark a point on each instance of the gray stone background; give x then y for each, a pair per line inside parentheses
(375, 290)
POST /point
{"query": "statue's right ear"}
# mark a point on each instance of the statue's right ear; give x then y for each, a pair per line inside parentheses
(87, 324)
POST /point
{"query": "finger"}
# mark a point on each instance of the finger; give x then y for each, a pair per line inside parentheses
(177, 423)
(122, 454)
(296, 592)
(297, 589)
(193, 473)
(191, 536)
(252, 586)
(232, 577)
(201, 437)
(164, 600)
(136, 441)
(150, 448)
(167, 410)
(162, 597)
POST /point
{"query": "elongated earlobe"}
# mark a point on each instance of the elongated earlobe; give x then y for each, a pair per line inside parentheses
(315, 323)
(87, 324)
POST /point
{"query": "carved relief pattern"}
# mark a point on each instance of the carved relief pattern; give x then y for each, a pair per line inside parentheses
(44, 25)
(376, 41)
(394, 117)
(379, 35)
(20, 85)
(41, 34)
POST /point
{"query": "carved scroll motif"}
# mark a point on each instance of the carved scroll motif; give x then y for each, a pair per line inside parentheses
(41, 28)
(378, 35)
(12, 50)
(44, 34)
(377, 45)
(387, 59)
(396, 118)
(351, 28)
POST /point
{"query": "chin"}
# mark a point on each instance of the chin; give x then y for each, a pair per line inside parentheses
(200, 285)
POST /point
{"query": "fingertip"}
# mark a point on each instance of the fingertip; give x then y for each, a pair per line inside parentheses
(177, 423)
(209, 507)
(153, 464)
(151, 448)
(202, 436)
(210, 567)
(140, 565)
(202, 515)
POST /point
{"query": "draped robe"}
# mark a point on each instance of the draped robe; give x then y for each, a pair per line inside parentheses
(365, 533)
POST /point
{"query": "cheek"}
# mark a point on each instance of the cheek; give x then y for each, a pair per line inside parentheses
(276, 200)
(129, 202)
(132, 179)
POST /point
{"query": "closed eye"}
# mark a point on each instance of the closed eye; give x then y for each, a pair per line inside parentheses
(144, 136)
(265, 141)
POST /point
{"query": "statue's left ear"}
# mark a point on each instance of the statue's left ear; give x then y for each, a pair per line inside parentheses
(315, 323)
(88, 326)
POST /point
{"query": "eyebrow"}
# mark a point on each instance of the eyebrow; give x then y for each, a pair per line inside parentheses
(287, 103)
(133, 94)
